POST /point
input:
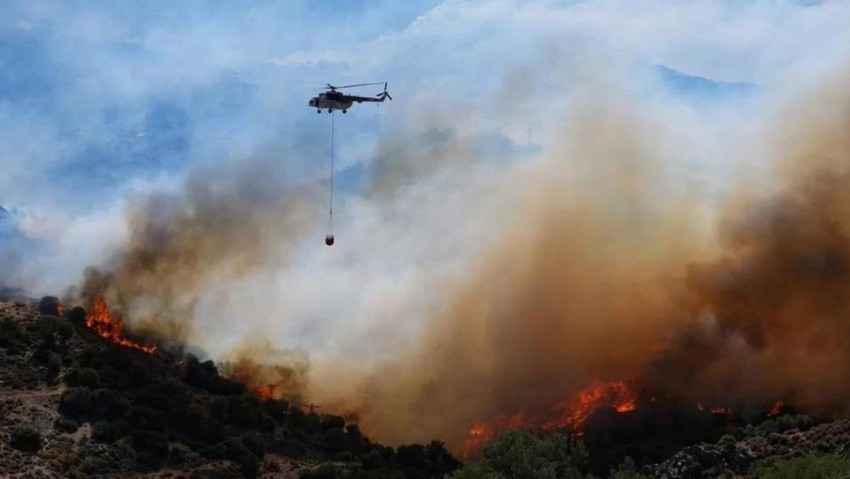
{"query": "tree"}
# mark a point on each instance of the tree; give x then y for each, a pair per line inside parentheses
(521, 454)
(49, 305)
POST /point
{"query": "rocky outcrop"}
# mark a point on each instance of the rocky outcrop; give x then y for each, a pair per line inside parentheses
(731, 457)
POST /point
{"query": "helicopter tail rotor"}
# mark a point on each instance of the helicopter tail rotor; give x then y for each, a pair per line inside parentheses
(384, 94)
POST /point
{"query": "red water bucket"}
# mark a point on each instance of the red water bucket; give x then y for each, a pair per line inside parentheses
(329, 240)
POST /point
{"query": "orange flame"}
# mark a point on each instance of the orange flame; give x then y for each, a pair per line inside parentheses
(110, 327)
(262, 393)
(776, 409)
(715, 410)
(570, 413)
(479, 435)
(573, 411)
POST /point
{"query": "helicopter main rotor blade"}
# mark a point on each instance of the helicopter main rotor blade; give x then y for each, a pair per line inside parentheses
(358, 84)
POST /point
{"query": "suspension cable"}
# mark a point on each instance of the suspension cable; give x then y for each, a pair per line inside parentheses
(329, 239)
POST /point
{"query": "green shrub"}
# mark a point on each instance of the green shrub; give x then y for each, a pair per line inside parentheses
(520, 454)
(25, 439)
(813, 467)
(627, 470)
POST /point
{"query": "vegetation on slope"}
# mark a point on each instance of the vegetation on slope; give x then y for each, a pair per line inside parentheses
(129, 412)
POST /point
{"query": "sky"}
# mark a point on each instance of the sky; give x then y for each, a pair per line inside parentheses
(104, 105)
(102, 101)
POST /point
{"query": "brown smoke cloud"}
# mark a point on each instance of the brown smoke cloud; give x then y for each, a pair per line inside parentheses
(775, 313)
(601, 266)
(270, 371)
(581, 264)
(225, 224)
(578, 284)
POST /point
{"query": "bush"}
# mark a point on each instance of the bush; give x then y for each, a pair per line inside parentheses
(440, 461)
(354, 434)
(250, 466)
(627, 470)
(372, 459)
(330, 421)
(25, 439)
(200, 425)
(76, 401)
(727, 442)
(242, 412)
(521, 454)
(112, 404)
(255, 444)
(813, 467)
(276, 408)
(54, 364)
(49, 305)
(77, 315)
(151, 442)
(412, 456)
(65, 425)
(147, 419)
(325, 471)
(110, 431)
(334, 440)
(87, 377)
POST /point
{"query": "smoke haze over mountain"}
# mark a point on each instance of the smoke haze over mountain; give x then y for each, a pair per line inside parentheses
(480, 270)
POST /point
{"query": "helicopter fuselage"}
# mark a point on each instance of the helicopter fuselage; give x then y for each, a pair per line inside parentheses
(331, 102)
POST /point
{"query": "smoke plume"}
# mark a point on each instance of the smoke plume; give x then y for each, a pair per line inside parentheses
(477, 288)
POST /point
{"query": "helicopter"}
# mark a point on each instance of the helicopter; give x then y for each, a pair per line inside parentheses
(334, 100)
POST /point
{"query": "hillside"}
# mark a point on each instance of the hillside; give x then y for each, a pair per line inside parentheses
(73, 404)
(77, 405)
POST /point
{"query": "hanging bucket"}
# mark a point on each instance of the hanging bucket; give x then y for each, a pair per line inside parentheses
(329, 240)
